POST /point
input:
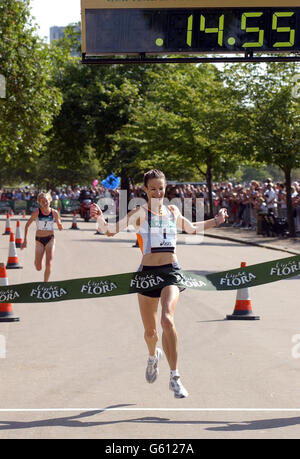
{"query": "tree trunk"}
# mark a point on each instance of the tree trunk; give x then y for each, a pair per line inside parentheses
(209, 186)
(125, 186)
(289, 205)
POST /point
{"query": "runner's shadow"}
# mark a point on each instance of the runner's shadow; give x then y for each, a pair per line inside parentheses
(77, 421)
(68, 421)
(257, 425)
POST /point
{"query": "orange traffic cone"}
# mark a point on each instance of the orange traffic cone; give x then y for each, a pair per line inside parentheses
(23, 213)
(12, 262)
(7, 225)
(19, 239)
(243, 308)
(6, 311)
(11, 213)
(74, 224)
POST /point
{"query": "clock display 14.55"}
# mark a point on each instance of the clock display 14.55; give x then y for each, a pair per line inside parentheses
(193, 30)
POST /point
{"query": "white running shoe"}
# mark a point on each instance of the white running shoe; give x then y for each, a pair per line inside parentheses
(177, 387)
(152, 370)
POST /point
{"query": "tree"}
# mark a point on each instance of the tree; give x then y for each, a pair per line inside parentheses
(277, 126)
(97, 102)
(31, 100)
(274, 118)
(186, 124)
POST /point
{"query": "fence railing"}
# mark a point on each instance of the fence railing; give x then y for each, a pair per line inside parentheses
(245, 216)
(66, 206)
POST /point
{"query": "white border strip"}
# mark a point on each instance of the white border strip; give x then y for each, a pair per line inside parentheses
(36, 410)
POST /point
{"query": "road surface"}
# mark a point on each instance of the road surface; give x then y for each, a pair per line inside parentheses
(75, 369)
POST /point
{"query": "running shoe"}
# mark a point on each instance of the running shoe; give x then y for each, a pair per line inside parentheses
(152, 366)
(177, 387)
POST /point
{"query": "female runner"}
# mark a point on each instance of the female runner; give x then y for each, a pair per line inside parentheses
(156, 233)
(45, 243)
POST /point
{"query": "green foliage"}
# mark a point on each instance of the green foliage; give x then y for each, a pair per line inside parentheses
(31, 99)
(185, 124)
(273, 113)
(260, 174)
(274, 118)
(97, 102)
(50, 175)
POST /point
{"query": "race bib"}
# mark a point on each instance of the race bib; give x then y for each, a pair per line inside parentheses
(45, 225)
(163, 233)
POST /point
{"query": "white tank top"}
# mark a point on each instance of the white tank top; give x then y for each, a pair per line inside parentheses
(157, 233)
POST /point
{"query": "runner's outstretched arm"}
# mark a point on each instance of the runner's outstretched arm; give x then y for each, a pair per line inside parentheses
(196, 227)
(111, 229)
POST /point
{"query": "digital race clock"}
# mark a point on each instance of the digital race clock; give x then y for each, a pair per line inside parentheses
(198, 30)
(116, 27)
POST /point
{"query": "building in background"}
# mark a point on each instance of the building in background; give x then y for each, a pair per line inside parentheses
(57, 32)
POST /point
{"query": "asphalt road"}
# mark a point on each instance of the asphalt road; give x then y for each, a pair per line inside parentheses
(75, 369)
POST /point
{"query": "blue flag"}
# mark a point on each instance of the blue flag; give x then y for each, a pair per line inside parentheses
(111, 182)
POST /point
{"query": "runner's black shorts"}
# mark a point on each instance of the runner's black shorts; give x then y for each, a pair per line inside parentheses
(157, 292)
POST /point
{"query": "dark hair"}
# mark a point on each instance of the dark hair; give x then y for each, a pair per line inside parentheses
(153, 174)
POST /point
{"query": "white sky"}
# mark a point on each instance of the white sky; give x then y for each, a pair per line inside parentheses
(48, 13)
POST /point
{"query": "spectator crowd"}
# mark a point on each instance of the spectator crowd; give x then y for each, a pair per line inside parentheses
(244, 202)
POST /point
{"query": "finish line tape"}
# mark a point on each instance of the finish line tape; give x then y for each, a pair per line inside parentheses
(139, 282)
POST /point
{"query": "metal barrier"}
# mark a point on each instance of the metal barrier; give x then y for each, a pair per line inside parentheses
(66, 206)
(4, 207)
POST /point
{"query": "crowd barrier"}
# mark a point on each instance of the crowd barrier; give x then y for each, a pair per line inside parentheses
(66, 206)
(247, 216)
